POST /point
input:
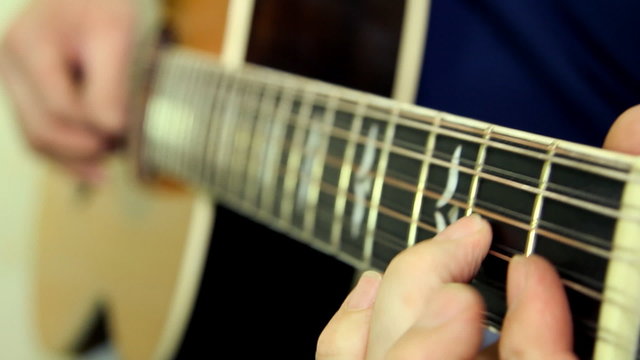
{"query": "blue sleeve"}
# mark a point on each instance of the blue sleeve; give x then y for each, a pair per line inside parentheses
(565, 68)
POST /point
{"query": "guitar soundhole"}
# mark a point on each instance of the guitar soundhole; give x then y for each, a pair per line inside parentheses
(350, 43)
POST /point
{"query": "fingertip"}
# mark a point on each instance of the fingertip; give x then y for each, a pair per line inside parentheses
(364, 293)
(538, 319)
(624, 134)
(469, 228)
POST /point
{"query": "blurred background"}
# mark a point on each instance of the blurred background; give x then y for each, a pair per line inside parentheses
(21, 172)
(20, 175)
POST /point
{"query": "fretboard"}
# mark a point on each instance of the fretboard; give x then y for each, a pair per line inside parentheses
(363, 177)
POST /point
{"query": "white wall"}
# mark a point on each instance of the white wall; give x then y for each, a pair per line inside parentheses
(20, 174)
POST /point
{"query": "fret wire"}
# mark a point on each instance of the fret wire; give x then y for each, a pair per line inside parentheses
(413, 111)
(168, 156)
(182, 122)
(578, 287)
(376, 193)
(538, 202)
(228, 119)
(210, 87)
(392, 241)
(616, 174)
(164, 155)
(313, 194)
(345, 173)
(525, 226)
(484, 212)
(187, 121)
(422, 181)
(276, 148)
(154, 121)
(340, 133)
(259, 144)
(243, 135)
(475, 180)
(490, 214)
(294, 159)
(610, 161)
(238, 136)
(596, 208)
(200, 128)
(609, 173)
(585, 290)
(419, 113)
(212, 163)
(332, 190)
(543, 146)
(538, 193)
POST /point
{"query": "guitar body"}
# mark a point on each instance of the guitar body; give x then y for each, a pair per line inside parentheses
(358, 176)
(121, 252)
(138, 259)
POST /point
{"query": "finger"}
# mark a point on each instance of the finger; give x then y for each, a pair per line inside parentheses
(59, 140)
(345, 336)
(414, 275)
(449, 328)
(624, 135)
(46, 67)
(538, 322)
(106, 60)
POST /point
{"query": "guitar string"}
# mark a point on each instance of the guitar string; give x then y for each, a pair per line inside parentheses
(541, 156)
(605, 339)
(594, 294)
(333, 191)
(258, 76)
(523, 184)
(520, 225)
(534, 189)
(418, 122)
(516, 185)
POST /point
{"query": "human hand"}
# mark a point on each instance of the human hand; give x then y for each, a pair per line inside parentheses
(66, 67)
(420, 308)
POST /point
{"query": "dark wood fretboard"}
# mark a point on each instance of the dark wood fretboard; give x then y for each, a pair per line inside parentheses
(362, 177)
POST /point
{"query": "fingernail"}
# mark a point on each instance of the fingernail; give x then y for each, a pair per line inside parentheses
(364, 294)
(466, 226)
(517, 276)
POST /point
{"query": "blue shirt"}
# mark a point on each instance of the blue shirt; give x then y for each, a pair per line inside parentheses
(562, 68)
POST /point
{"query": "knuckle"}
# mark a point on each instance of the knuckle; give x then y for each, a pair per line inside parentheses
(405, 261)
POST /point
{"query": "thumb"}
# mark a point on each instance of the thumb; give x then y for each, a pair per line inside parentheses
(624, 135)
(345, 337)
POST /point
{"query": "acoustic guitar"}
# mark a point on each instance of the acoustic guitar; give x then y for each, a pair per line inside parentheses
(358, 175)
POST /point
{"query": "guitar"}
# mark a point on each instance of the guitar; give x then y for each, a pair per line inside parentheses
(351, 174)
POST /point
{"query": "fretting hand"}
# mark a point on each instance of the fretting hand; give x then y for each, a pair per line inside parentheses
(421, 308)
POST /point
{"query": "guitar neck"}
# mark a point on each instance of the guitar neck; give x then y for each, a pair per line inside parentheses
(332, 162)
(363, 177)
